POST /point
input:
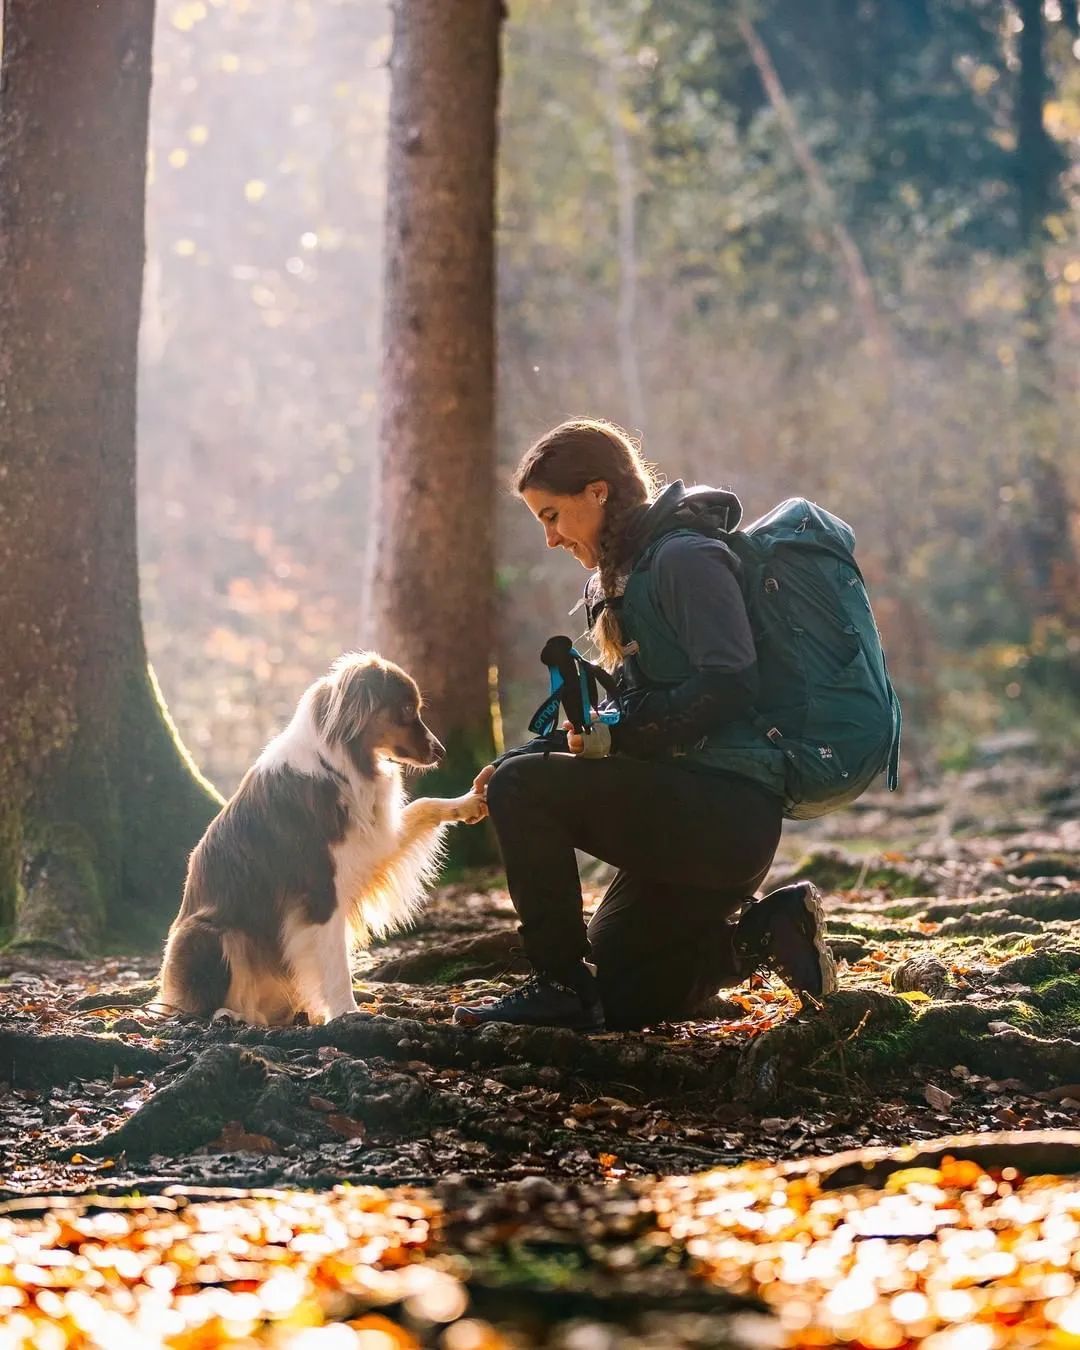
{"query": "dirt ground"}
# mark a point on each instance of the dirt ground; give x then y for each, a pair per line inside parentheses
(954, 913)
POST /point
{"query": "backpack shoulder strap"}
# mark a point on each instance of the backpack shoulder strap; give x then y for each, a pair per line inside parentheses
(682, 531)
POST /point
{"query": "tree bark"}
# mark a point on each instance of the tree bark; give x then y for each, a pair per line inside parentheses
(612, 58)
(431, 578)
(1054, 574)
(99, 804)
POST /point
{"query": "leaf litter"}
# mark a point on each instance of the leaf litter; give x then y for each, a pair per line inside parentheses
(992, 935)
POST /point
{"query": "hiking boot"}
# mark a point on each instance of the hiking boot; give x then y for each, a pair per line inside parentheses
(541, 1002)
(785, 932)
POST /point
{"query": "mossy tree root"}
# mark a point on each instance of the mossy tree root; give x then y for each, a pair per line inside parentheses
(484, 957)
(28, 1060)
(101, 845)
(220, 1086)
(781, 1057)
(618, 1058)
(1043, 905)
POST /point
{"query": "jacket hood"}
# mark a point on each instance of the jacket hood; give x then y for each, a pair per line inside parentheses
(679, 506)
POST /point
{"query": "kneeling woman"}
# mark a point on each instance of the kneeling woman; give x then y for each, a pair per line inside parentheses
(692, 837)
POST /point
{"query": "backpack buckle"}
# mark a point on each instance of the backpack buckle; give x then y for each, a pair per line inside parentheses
(774, 734)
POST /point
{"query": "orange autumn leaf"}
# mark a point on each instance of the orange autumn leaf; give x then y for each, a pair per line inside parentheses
(346, 1126)
(234, 1138)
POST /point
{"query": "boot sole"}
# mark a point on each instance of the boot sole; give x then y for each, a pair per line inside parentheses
(829, 980)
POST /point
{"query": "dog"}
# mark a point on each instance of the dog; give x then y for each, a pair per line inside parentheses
(316, 853)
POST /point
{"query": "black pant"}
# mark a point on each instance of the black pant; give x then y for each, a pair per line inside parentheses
(691, 847)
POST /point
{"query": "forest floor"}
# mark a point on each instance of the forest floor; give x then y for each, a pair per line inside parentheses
(529, 1157)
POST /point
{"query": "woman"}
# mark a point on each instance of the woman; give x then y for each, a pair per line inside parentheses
(655, 794)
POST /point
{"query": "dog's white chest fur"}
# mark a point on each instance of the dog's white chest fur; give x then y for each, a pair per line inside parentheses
(366, 898)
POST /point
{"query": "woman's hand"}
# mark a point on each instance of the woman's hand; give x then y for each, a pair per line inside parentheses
(596, 745)
(482, 779)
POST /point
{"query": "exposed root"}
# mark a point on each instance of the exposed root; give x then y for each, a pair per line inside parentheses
(612, 1057)
(28, 1060)
(222, 1085)
(1038, 966)
(130, 996)
(486, 957)
(781, 1057)
(1032, 1153)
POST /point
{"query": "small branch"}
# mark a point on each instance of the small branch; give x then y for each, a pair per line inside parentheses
(862, 289)
(626, 204)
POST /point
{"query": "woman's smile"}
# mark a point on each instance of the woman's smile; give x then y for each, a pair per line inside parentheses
(571, 521)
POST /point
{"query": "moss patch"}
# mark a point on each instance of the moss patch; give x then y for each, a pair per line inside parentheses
(834, 869)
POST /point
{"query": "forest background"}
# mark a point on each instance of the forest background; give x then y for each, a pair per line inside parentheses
(831, 255)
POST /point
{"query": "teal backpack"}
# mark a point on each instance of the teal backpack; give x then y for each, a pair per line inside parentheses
(826, 698)
(827, 720)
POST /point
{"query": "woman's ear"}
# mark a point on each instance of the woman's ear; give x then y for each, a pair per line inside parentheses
(598, 490)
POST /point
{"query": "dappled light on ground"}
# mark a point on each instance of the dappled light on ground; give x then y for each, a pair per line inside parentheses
(948, 1257)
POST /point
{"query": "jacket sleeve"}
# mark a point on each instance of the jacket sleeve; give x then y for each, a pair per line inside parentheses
(675, 719)
(553, 743)
(699, 595)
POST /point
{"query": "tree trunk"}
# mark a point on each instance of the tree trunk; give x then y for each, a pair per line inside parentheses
(612, 60)
(1045, 524)
(99, 805)
(431, 581)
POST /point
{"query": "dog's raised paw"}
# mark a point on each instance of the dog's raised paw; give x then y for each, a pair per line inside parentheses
(470, 809)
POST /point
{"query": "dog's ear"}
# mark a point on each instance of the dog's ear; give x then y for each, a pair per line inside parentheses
(321, 693)
(347, 700)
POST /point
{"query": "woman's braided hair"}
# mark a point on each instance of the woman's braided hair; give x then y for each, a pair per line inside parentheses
(565, 461)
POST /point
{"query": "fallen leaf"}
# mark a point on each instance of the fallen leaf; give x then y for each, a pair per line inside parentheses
(937, 1097)
(346, 1126)
(1060, 1093)
(235, 1139)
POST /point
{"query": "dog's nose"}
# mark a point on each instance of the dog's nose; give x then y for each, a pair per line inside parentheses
(438, 750)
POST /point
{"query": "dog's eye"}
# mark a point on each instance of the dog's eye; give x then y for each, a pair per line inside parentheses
(408, 714)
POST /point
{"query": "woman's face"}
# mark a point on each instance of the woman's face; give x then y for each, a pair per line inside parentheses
(571, 522)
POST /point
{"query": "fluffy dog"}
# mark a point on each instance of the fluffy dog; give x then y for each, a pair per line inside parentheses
(316, 852)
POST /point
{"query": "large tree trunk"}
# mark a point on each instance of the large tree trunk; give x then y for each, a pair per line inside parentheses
(1053, 574)
(99, 804)
(432, 577)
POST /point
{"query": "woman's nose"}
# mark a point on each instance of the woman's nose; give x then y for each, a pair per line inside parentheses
(554, 538)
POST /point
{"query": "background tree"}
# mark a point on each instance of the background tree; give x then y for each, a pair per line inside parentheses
(432, 539)
(1043, 506)
(99, 805)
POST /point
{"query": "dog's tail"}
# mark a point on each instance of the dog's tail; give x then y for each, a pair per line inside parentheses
(195, 972)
